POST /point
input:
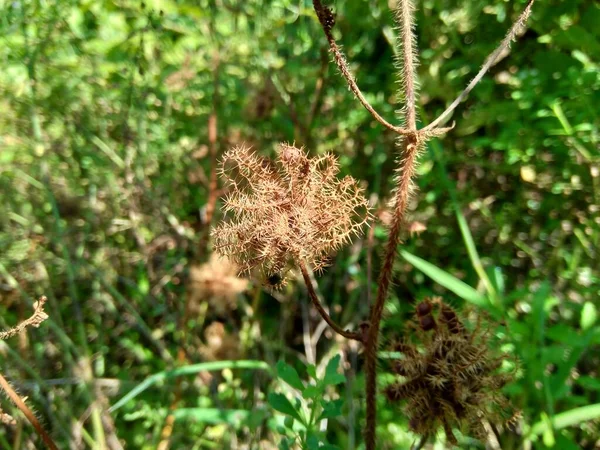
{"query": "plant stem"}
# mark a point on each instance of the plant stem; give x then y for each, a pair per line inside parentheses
(327, 21)
(409, 151)
(19, 403)
(317, 304)
(410, 147)
(489, 62)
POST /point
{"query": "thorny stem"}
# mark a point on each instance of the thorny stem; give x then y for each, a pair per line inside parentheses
(19, 403)
(319, 307)
(327, 21)
(405, 19)
(410, 147)
(489, 62)
(408, 153)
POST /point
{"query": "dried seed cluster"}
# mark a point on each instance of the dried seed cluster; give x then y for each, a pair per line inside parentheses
(452, 381)
(217, 283)
(288, 210)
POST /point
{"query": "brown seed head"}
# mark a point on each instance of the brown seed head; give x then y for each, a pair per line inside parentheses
(293, 209)
(453, 381)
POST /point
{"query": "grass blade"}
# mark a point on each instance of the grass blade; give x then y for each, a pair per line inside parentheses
(450, 282)
(189, 370)
(567, 419)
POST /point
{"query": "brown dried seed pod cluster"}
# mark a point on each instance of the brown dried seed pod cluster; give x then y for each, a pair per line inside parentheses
(453, 380)
(288, 210)
(217, 283)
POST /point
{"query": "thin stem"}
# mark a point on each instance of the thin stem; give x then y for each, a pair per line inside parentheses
(420, 444)
(19, 403)
(317, 304)
(327, 20)
(489, 62)
(405, 19)
(410, 150)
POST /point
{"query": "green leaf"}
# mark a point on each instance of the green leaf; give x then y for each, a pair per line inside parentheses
(312, 371)
(567, 419)
(280, 403)
(589, 315)
(312, 442)
(450, 282)
(289, 422)
(286, 443)
(288, 374)
(312, 391)
(332, 377)
(332, 408)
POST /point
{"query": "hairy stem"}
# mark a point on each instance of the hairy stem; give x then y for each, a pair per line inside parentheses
(409, 150)
(317, 303)
(404, 17)
(408, 153)
(327, 20)
(19, 403)
(489, 62)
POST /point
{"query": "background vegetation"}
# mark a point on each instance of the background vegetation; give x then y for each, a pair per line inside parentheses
(106, 159)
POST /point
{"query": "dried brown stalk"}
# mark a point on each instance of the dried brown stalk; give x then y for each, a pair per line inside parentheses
(489, 62)
(327, 20)
(35, 320)
(319, 307)
(39, 315)
(19, 403)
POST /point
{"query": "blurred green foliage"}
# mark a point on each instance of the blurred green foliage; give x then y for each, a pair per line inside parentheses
(104, 172)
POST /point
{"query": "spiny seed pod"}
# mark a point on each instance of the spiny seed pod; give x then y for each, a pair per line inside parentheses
(426, 320)
(449, 318)
(452, 381)
(424, 308)
(289, 210)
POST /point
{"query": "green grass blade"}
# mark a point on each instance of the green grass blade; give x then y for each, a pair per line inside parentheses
(436, 150)
(450, 282)
(189, 370)
(567, 419)
(213, 416)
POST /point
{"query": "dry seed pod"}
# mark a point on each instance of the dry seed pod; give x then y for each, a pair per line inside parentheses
(292, 210)
(453, 381)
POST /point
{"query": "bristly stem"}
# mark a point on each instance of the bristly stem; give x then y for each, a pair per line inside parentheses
(319, 307)
(19, 403)
(404, 17)
(489, 62)
(409, 150)
(327, 20)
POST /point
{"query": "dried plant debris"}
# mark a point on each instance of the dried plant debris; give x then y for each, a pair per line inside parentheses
(7, 419)
(220, 344)
(286, 211)
(217, 283)
(39, 315)
(452, 380)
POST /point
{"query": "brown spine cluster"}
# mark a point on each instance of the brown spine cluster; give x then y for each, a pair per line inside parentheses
(452, 380)
(284, 212)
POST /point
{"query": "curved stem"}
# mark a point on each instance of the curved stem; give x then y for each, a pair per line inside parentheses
(19, 403)
(489, 62)
(327, 21)
(319, 307)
